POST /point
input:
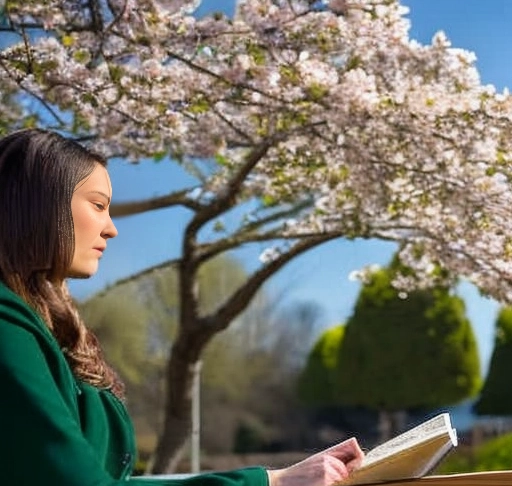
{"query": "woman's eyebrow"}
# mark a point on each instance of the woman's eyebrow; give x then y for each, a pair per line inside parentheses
(101, 194)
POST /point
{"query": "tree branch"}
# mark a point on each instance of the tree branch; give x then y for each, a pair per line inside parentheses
(120, 210)
(226, 198)
(249, 234)
(137, 276)
(239, 300)
(210, 73)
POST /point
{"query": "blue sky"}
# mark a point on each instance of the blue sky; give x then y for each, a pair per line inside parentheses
(322, 275)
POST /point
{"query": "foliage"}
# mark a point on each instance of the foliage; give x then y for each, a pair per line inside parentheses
(459, 460)
(401, 352)
(316, 123)
(317, 383)
(254, 391)
(496, 395)
(247, 440)
(493, 455)
(121, 325)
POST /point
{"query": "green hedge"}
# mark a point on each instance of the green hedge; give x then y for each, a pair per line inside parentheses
(493, 455)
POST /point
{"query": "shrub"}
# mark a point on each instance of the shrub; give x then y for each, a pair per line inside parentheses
(493, 455)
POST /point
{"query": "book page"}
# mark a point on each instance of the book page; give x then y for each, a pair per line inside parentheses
(438, 425)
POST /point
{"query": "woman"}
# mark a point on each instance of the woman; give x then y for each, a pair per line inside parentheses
(62, 419)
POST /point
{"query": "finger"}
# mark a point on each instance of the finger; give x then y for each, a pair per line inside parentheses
(347, 451)
(334, 470)
(354, 464)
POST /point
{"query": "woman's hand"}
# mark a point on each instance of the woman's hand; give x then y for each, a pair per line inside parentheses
(322, 469)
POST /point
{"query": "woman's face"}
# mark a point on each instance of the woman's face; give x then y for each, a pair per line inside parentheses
(92, 223)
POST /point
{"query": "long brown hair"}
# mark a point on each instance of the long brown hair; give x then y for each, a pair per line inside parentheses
(39, 171)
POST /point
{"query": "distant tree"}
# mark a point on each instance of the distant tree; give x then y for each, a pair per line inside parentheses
(253, 390)
(316, 391)
(496, 396)
(294, 327)
(137, 323)
(402, 351)
(317, 382)
(247, 382)
(121, 324)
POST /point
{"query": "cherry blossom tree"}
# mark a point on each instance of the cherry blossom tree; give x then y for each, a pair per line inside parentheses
(319, 120)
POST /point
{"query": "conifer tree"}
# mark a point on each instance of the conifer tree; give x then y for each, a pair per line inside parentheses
(496, 396)
(406, 351)
(397, 352)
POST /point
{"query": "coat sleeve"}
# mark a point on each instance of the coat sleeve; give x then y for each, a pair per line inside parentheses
(41, 442)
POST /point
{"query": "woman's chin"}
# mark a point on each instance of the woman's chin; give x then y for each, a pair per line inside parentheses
(81, 273)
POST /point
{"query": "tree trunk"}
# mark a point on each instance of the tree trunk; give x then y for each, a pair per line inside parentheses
(391, 423)
(185, 353)
(384, 426)
(399, 421)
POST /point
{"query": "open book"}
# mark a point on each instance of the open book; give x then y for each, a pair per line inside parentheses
(412, 454)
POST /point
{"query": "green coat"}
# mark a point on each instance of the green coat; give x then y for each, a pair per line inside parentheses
(56, 431)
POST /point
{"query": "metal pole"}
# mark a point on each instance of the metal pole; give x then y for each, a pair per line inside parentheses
(195, 453)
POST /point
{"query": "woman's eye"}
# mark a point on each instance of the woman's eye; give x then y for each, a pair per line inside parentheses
(100, 206)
